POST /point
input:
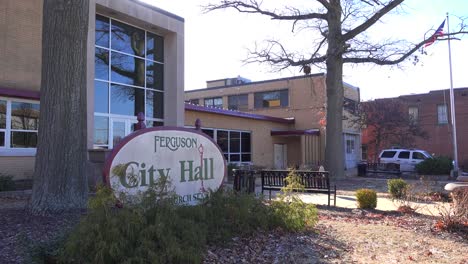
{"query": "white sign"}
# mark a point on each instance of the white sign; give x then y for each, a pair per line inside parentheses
(191, 161)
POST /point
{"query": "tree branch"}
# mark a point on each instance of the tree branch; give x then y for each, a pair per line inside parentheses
(253, 6)
(372, 20)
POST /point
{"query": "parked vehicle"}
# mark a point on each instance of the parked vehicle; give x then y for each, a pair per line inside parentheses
(407, 158)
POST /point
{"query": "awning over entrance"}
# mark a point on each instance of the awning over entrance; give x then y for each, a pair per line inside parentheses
(285, 133)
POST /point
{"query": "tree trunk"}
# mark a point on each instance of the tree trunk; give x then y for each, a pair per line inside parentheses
(334, 151)
(60, 181)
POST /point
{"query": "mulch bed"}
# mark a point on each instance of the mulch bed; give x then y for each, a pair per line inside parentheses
(341, 236)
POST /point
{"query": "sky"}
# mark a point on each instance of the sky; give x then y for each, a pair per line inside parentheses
(216, 43)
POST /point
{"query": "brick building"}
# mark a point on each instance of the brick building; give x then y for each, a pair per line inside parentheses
(432, 112)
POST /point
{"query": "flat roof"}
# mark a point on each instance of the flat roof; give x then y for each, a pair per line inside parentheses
(219, 111)
(257, 82)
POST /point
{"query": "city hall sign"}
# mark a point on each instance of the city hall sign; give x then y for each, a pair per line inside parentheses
(190, 160)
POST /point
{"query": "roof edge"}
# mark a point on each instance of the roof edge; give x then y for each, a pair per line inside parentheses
(239, 114)
(257, 82)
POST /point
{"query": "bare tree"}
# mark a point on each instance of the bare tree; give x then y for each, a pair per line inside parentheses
(387, 123)
(60, 180)
(341, 25)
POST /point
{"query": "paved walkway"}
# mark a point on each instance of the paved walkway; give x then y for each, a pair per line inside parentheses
(346, 189)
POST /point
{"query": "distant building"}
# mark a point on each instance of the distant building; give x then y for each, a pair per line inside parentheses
(300, 99)
(432, 112)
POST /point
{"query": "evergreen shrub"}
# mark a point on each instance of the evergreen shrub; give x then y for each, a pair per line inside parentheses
(435, 166)
(366, 198)
(157, 230)
(397, 188)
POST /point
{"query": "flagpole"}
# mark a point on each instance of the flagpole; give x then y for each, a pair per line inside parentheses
(452, 107)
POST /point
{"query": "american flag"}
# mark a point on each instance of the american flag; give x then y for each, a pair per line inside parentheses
(439, 33)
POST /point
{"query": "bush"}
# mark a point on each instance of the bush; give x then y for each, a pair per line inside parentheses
(295, 215)
(397, 188)
(6, 183)
(157, 229)
(435, 166)
(366, 198)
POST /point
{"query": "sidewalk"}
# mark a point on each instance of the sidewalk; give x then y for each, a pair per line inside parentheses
(347, 187)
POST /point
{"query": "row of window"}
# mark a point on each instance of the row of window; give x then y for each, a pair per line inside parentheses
(129, 69)
(19, 123)
(442, 114)
(235, 145)
(240, 102)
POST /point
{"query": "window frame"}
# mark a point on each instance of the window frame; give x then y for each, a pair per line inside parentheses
(262, 93)
(446, 118)
(110, 82)
(7, 150)
(229, 153)
(413, 116)
(236, 98)
(212, 99)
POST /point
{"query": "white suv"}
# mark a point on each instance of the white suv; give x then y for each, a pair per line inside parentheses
(407, 158)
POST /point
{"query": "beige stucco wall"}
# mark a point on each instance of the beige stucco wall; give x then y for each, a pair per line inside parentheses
(20, 44)
(307, 98)
(262, 141)
(19, 167)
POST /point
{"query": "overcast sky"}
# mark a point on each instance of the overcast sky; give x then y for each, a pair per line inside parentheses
(217, 42)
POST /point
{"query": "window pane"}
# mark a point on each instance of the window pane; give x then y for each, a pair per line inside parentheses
(155, 47)
(101, 130)
(284, 98)
(154, 75)
(24, 116)
(238, 102)
(245, 142)
(246, 158)
(118, 132)
(214, 102)
(194, 101)
(2, 139)
(127, 100)
(234, 158)
(101, 97)
(226, 156)
(388, 154)
(2, 114)
(101, 64)
(418, 155)
(154, 123)
(209, 132)
(128, 39)
(223, 140)
(23, 139)
(442, 114)
(404, 155)
(154, 104)
(127, 69)
(271, 99)
(234, 142)
(413, 114)
(102, 31)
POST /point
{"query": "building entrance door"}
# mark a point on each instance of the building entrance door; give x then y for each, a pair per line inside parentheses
(280, 153)
(120, 128)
